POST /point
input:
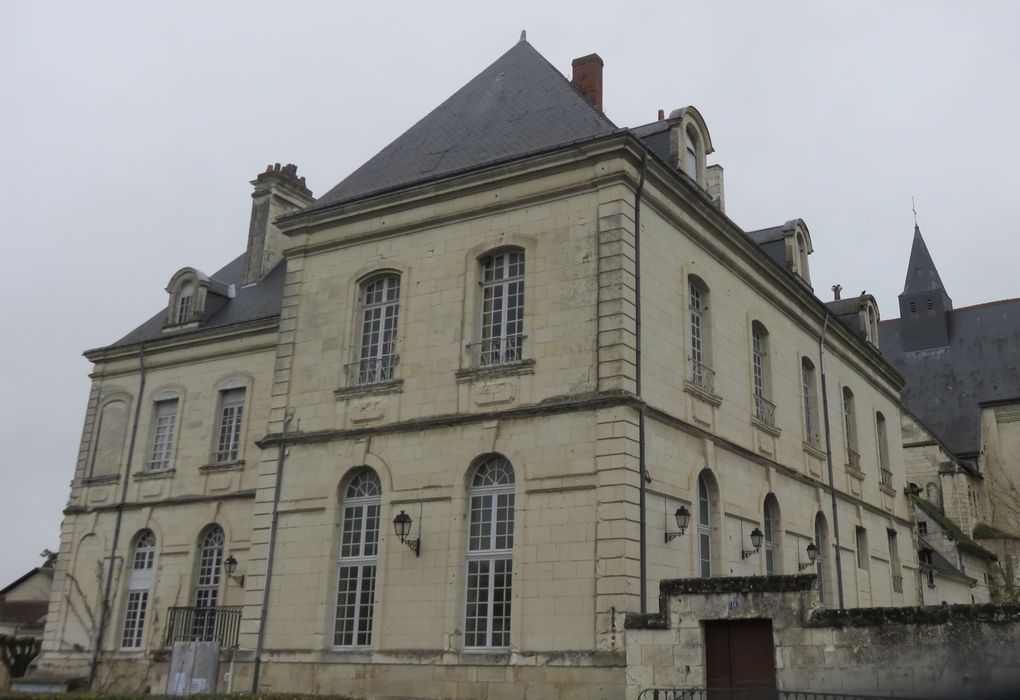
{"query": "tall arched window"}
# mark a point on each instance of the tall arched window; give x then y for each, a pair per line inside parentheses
(502, 307)
(706, 522)
(702, 374)
(821, 560)
(853, 457)
(490, 554)
(810, 391)
(692, 164)
(185, 302)
(139, 581)
(883, 449)
(764, 409)
(380, 309)
(802, 258)
(207, 584)
(356, 566)
(773, 557)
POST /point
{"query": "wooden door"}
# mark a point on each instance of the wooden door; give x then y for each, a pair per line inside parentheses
(740, 655)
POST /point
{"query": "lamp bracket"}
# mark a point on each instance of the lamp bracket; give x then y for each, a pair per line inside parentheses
(415, 545)
(805, 565)
(745, 553)
(670, 536)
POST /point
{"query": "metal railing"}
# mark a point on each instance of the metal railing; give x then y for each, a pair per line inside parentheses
(703, 376)
(886, 478)
(372, 370)
(897, 584)
(853, 460)
(748, 694)
(193, 624)
(492, 352)
(764, 410)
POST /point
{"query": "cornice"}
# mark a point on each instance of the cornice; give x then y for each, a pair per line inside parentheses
(185, 341)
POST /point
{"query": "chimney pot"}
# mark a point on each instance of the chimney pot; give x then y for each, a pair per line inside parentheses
(588, 77)
(836, 289)
(662, 114)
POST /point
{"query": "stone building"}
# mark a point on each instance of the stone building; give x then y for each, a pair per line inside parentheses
(528, 341)
(961, 432)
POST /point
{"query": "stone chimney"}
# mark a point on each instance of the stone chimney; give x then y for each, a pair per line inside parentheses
(278, 191)
(588, 78)
(714, 185)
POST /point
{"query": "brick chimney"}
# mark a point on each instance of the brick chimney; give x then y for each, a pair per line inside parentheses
(278, 191)
(588, 78)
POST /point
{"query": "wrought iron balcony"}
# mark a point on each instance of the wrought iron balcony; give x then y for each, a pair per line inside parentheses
(764, 410)
(702, 376)
(372, 370)
(195, 624)
(853, 460)
(492, 352)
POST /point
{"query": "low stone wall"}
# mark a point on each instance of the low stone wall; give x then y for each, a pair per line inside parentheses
(955, 651)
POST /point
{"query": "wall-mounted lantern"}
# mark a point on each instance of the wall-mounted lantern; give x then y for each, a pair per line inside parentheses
(683, 518)
(756, 538)
(229, 567)
(812, 555)
(402, 526)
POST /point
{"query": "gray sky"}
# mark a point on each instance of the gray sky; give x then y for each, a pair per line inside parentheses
(130, 132)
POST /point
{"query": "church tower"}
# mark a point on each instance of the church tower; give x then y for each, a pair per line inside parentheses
(924, 305)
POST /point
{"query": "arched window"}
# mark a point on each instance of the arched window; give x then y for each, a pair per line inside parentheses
(207, 584)
(490, 554)
(139, 581)
(702, 375)
(883, 449)
(809, 389)
(692, 161)
(773, 558)
(853, 457)
(164, 426)
(821, 559)
(380, 309)
(802, 257)
(356, 566)
(502, 307)
(764, 409)
(185, 302)
(706, 522)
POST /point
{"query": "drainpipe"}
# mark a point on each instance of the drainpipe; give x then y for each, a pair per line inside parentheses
(272, 547)
(828, 457)
(643, 470)
(104, 609)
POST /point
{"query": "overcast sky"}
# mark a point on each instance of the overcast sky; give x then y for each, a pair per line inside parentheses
(130, 132)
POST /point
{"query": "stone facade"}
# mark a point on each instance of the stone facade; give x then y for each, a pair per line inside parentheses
(958, 651)
(605, 422)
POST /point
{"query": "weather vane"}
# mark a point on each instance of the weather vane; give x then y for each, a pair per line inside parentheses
(914, 207)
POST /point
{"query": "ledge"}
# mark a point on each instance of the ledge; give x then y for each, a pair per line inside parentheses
(855, 473)
(510, 369)
(222, 466)
(97, 480)
(162, 474)
(888, 490)
(990, 613)
(393, 386)
(789, 583)
(813, 450)
(699, 393)
(765, 427)
(646, 621)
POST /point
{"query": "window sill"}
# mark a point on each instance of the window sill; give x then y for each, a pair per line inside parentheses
(706, 396)
(855, 473)
(360, 654)
(494, 655)
(887, 490)
(509, 369)
(393, 386)
(765, 427)
(161, 474)
(813, 450)
(222, 466)
(97, 480)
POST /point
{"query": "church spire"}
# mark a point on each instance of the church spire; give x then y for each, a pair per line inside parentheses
(922, 276)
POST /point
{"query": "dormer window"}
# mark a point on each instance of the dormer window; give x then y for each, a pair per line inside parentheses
(184, 302)
(691, 160)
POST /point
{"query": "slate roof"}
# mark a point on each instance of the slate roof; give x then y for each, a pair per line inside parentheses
(962, 539)
(250, 303)
(921, 273)
(945, 385)
(518, 106)
(943, 565)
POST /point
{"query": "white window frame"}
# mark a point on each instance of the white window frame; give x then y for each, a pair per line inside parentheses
(139, 583)
(357, 562)
(166, 407)
(697, 323)
(692, 158)
(491, 503)
(231, 414)
(185, 302)
(377, 332)
(807, 381)
(207, 582)
(501, 308)
(771, 525)
(704, 528)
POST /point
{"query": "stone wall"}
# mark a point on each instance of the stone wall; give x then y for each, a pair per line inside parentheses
(946, 651)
